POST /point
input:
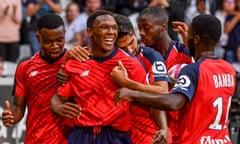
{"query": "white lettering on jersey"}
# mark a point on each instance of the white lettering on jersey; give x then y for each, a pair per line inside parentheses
(210, 140)
(223, 80)
(183, 82)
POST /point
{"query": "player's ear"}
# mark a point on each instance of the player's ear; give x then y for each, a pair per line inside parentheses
(89, 32)
(38, 36)
(164, 26)
(196, 39)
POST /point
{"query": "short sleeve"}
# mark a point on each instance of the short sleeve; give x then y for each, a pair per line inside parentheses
(19, 88)
(187, 82)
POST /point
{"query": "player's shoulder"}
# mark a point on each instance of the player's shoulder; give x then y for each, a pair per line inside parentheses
(125, 56)
(73, 63)
(150, 53)
(180, 47)
(26, 62)
(128, 58)
(124, 53)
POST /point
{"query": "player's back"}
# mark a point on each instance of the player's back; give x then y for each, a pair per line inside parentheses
(205, 118)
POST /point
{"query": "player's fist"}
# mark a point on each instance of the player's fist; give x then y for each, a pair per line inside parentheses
(68, 110)
(123, 94)
(7, 116)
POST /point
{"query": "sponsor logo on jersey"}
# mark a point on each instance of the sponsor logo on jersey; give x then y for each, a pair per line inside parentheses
(183, 82)
(33, 73)
(159, 67)
(210, 140)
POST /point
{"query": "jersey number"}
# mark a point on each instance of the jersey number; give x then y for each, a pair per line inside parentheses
(218, 103)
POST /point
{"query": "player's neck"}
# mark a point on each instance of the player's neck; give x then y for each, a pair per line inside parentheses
(99, 53)
(209, 54)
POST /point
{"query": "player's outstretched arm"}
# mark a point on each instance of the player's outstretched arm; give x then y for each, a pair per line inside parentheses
(167, 102)
(120, 76)
(62, 107)
(14, 114)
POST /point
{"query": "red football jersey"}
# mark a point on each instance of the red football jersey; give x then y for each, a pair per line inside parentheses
(177, 53)
(35, 79)
(209, 85)
(93, 90)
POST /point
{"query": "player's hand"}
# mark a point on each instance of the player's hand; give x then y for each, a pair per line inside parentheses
(68, 110)
(123, 94)
(182, 29)
(62, 78)
(79, 53)
(119, 74)
(7, 116)
(160, 137)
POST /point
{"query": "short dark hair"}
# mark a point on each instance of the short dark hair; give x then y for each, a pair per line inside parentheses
(50, 21)
(95, 14)
(125, 26)
(206, 26)
(158, 13)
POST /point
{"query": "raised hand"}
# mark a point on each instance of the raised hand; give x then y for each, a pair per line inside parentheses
(182, 29)
(7, 116)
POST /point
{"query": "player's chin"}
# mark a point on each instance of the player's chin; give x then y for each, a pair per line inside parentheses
(108, 47)
(147, 42)
(54, 55)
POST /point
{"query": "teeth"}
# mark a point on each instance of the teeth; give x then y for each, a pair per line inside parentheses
(109, 40)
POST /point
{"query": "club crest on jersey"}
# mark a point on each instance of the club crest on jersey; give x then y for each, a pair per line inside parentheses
(183, 82)
(33, 73)
(84, 73)
(159, 67)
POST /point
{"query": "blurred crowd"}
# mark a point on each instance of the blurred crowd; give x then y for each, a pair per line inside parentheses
(18, 20)
(19, 17)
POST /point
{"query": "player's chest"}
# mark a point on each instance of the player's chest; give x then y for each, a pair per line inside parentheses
(41, 75)
(96, 76)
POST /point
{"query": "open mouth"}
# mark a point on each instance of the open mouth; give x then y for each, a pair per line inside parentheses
(109, 41)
